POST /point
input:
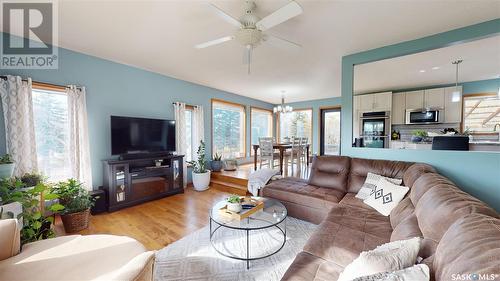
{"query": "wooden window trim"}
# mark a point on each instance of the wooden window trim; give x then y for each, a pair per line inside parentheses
(272, 123)
(48, 87)
(278, 131)
(212, 101)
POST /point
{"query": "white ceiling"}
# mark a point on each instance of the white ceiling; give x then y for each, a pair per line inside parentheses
(159, 36)
(481, 61)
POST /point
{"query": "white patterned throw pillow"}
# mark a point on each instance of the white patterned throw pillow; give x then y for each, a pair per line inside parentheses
(386, 196)
(418, 272)
(371, 182)
(388, 257)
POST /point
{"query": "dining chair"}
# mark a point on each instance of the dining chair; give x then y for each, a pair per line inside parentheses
(303, 149)
(293, 156)
(266, 152)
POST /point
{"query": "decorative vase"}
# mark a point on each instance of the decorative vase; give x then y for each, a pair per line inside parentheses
(6, 170)
(216, 166)
(201, 181)
(76, 221)
(234, 207)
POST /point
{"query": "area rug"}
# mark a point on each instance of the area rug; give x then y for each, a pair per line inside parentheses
(194, 258)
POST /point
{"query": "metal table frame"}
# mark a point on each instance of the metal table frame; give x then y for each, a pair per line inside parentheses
(248, 258)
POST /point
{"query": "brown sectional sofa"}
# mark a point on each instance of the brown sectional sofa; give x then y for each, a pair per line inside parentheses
(461, 234)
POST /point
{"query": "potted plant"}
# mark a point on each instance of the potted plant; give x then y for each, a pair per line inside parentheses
(217, 163)
(201, 176)
(418, 135)
(76, 201)
(6, 166)
(234, 203)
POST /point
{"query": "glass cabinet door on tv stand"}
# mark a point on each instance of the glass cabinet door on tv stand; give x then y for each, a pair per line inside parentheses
(121, 183)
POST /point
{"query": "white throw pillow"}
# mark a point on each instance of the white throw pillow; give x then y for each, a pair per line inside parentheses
(386, 196)
(371, 182)
(418, 272)
(388, 257)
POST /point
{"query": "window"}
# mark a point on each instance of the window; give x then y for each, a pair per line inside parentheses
(481, 113)
(261, 122)
(50, 111)
(189, 133)
(297, 123)
(228, 129)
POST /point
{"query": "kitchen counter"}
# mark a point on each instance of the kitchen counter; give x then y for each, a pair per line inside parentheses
(473, 145)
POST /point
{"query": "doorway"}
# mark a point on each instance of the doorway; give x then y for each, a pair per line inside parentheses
(330, 131)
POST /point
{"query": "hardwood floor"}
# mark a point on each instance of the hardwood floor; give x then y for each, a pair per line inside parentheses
(161, 222)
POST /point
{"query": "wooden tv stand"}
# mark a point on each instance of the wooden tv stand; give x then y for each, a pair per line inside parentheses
(134, 181)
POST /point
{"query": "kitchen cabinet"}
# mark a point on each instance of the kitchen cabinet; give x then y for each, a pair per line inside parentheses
(452, 105)
(398, 108)
(434, 98)
(375, 102)
(414, 100)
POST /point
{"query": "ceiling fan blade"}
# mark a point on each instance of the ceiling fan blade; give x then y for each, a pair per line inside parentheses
(283, 14)
(225, 16)
(282, 43)
(214, 42)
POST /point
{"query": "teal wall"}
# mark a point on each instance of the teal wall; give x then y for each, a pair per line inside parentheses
(117, 89)
(315, 105)
(478, 173)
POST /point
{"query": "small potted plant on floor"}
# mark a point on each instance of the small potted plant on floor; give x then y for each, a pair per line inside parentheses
(234, 203)
(201, 176)
(6, 166)
(217, 163)
(76, 201)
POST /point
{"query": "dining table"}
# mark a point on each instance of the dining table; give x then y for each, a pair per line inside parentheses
(282, 148)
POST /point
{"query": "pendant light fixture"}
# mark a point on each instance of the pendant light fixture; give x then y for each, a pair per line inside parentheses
(455, 96)
(282, 108)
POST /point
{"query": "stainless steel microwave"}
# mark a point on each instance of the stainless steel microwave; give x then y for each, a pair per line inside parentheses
(422, 116)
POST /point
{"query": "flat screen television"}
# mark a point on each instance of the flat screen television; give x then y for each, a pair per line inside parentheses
(130, 135)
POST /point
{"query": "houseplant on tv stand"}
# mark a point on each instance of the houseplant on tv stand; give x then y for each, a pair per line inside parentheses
(201, 176)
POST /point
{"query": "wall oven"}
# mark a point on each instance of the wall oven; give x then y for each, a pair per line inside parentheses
(375, 129)
(423, 116)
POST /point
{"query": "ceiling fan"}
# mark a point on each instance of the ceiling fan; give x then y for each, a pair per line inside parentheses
(251, 27)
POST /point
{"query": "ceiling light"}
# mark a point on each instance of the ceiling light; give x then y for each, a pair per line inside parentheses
(436, 68)
(456, 94)
(422, 71)
(282, 108)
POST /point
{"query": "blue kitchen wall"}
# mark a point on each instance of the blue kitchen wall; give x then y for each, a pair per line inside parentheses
(316, 105)
(118, 89)
(477, 173)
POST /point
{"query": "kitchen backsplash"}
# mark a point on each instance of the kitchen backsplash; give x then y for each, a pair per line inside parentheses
(406, 131)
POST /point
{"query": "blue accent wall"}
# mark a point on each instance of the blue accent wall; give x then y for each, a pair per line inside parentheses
(315, 105)
(118, 89)
(477, 173)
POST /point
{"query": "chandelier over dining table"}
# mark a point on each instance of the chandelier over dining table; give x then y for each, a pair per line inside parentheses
(282, 108)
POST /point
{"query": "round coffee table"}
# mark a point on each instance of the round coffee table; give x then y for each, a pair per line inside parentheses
(272, 216)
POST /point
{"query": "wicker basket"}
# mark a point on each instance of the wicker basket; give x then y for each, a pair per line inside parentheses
(76, 221)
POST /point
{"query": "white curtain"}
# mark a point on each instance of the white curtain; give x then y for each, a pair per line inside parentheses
(19, 125)
(198, 127)
(79, 147)
(180, 134)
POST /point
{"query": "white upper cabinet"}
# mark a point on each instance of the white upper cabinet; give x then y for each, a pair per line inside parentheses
(434, 98)
(453, 105)
(398, 108)
(414, 100)
(375, 102)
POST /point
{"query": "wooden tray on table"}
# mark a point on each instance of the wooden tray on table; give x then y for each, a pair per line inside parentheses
(244, 213)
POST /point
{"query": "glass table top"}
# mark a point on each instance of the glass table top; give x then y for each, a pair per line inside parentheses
(272, 214)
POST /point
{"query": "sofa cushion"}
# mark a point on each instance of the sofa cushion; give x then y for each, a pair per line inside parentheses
(470, 246)
(360, 168)
(346, 232)
(350, 199)
(64, 256)
(403, 210)
(309, 267)
(444, 204)
(415, 171)
(330, 172)
(407, 229)
(424, 183)
(10, 241)
(300, 192)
